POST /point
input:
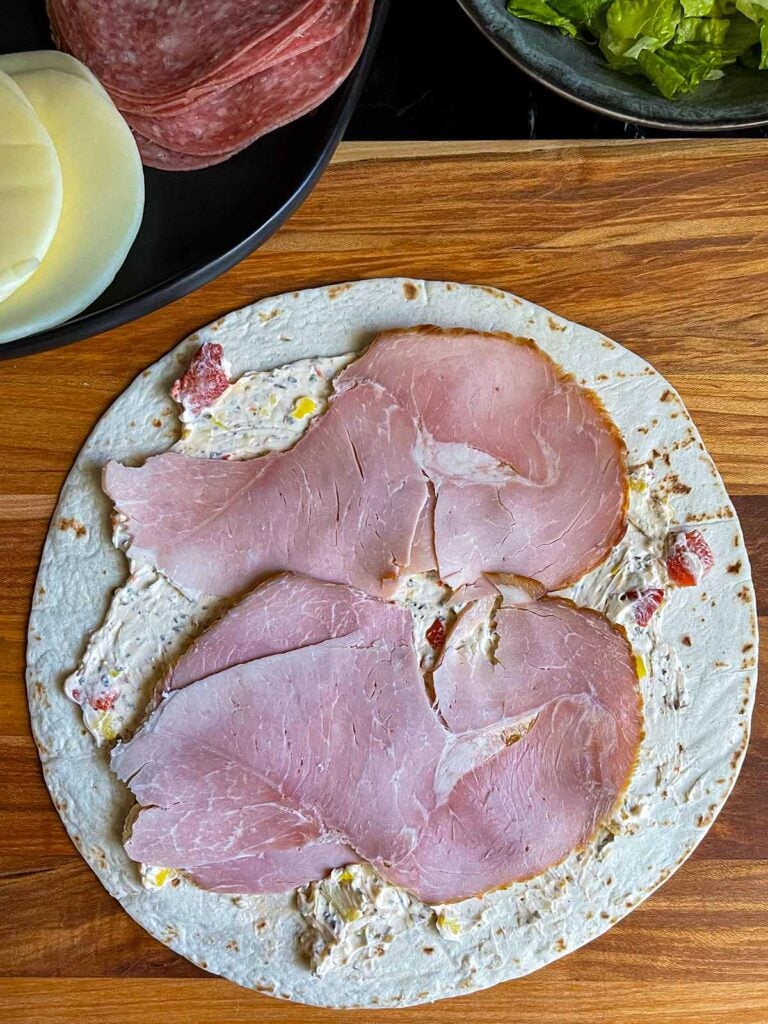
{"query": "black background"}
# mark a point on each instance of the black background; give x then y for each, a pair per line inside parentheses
(437, 77)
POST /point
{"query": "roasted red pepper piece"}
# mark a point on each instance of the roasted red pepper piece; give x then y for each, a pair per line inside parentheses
(689, 557)
(105, 702)
(203, 381)
(645, 602)
(436, 634)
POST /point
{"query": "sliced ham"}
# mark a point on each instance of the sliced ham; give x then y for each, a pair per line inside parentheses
(523, 810)
(227, 119)
(284, 614)
(543, 651)
(332, 741)
(529, 470)
(342, 505)
(271, 772)
(275, 870)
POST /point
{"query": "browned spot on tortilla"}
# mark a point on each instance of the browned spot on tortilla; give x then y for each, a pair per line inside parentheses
(735, 758)
(261, 925)
(40, 694)
(602, 376)
(146, 373)
(747, 647)
(77, 527)
(609, 880)
(429, 950)
(687, 641)
(560, 945)
(642, 430)
(449, 287)
(466, 983)
(743, 595)
(655, 421)
(491, 291)
(735, 542)
(607, 344)
(674, 415)
(156, 422)
(674, 485)
(338, 289)
(203, 964)
(589, 915)
(233, 946)
(605, 916)
(175, 882)
(721, 664)
(266, 317)
(410, 291)
(555, 326)
(131, 423)
(667, 395)
(734, 567)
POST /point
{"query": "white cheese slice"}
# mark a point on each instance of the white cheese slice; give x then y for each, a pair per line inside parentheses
(49, 60)
(30, 188)
(103, 200)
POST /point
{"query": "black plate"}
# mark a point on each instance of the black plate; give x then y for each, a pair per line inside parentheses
(197, 224)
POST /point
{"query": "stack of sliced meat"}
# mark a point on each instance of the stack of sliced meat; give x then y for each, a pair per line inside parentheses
(297, 734)
(299, 737)
(198, 80)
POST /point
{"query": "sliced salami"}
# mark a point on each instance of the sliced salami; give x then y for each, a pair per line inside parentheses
(163, 159)
(321, 26)
(163, 49)
(232, 118)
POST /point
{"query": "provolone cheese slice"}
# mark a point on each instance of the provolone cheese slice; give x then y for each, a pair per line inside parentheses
(30, 189)
(102, 208)
(48, 60)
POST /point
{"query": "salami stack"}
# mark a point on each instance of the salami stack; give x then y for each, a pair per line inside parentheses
(199, 80)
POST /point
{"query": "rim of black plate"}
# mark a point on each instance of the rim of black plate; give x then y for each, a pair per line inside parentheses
(86, 324)
(468, 6)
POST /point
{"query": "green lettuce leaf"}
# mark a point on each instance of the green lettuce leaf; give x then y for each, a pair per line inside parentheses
(675, 44)
(634, 26)
(757, 11)
(703, 30)
(540, 10)
(683, 68)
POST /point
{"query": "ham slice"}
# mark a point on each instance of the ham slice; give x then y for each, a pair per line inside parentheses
(283, 614)
(521, 811)
(324, 742)
(543, 651)
(275, 870)
(272, 771)
(341, 505)
(530, 472)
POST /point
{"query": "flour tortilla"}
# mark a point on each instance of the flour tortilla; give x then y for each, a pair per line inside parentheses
(689, 759)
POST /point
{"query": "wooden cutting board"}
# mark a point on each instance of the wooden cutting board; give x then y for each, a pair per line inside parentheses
(662, 246)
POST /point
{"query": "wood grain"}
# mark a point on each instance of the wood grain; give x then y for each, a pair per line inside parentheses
(663, 246)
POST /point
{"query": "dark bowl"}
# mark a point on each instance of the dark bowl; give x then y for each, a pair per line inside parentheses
(198, 224)
(577, 71)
